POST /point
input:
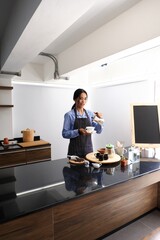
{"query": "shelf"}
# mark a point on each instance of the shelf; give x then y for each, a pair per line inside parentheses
(6, 88)
(6, 105)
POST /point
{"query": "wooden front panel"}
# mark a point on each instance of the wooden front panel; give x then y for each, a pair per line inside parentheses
(92, 216)
(12, 158)
(36, 226)
(38, 154)
(158, 199)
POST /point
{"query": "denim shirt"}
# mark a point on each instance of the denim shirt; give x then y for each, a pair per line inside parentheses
(69, 119)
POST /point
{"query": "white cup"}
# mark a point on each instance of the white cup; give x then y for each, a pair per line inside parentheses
(149, 152)
(89, 129)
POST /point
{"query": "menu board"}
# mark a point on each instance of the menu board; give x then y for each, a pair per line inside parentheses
(145, 125)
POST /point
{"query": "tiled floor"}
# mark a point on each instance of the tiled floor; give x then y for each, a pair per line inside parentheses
(139, 229)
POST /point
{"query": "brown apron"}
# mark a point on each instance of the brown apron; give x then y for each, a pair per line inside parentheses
(81, 145)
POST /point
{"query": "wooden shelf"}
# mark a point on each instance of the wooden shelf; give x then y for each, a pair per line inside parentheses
(6, 88)
(6, 106)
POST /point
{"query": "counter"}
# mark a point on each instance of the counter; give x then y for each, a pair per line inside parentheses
(58, 185)
(20, 153)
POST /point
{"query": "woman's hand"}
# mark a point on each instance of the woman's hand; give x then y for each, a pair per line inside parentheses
(83, 131)
(99, 115)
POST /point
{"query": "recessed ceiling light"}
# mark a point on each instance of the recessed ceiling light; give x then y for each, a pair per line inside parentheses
(104, 65)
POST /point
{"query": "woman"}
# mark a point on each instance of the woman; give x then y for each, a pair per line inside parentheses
(77, 179)
(75, 123)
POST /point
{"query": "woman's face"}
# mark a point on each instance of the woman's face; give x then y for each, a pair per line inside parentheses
(81, 100)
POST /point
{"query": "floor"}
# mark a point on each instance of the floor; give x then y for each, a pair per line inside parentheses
(138, 229)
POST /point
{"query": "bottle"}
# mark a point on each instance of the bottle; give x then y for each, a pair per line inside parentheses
(131, 154)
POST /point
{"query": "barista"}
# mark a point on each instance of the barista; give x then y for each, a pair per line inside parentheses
(75, 123)
(78, 179)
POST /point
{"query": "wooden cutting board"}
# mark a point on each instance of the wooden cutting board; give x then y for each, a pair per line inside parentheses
(34, 143)
(91, 157)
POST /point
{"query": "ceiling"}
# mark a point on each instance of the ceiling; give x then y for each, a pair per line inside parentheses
(51, 26)
(101, 12)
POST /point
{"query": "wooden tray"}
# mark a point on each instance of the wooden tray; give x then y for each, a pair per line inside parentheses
(32, 144)
(91, 157)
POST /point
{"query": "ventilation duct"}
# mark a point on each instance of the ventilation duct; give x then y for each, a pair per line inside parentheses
(56, 72)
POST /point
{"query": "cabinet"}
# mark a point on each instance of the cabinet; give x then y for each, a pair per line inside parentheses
(94, 215)
(42, 153)
(25, 155)
(6, 88)
(158, 202)
(37, 226)
(109, 208)
(11, 158)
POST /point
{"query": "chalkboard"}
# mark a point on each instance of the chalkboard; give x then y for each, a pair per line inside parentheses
(146, 125)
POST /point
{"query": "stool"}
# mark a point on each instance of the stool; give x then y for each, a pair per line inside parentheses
(154, 235)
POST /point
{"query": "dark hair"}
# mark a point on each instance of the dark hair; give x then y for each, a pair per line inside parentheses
(77, 93)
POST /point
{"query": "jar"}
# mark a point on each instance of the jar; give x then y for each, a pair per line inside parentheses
(28, 135)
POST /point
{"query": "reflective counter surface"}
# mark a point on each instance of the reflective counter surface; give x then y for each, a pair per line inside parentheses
(28, 188)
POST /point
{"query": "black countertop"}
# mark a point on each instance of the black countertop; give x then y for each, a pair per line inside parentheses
(28, 188)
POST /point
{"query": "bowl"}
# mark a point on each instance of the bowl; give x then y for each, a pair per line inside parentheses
(101, 150)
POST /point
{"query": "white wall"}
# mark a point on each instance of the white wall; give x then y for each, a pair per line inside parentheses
(43, 108)
(114, 102)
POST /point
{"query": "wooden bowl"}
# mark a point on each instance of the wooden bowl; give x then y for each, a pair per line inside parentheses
(101, 150)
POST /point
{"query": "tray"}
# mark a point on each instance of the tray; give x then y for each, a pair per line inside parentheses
(9, 144)
(91, 157)
(33, 143)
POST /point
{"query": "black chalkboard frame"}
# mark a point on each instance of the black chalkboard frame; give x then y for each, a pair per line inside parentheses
(145, 125)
